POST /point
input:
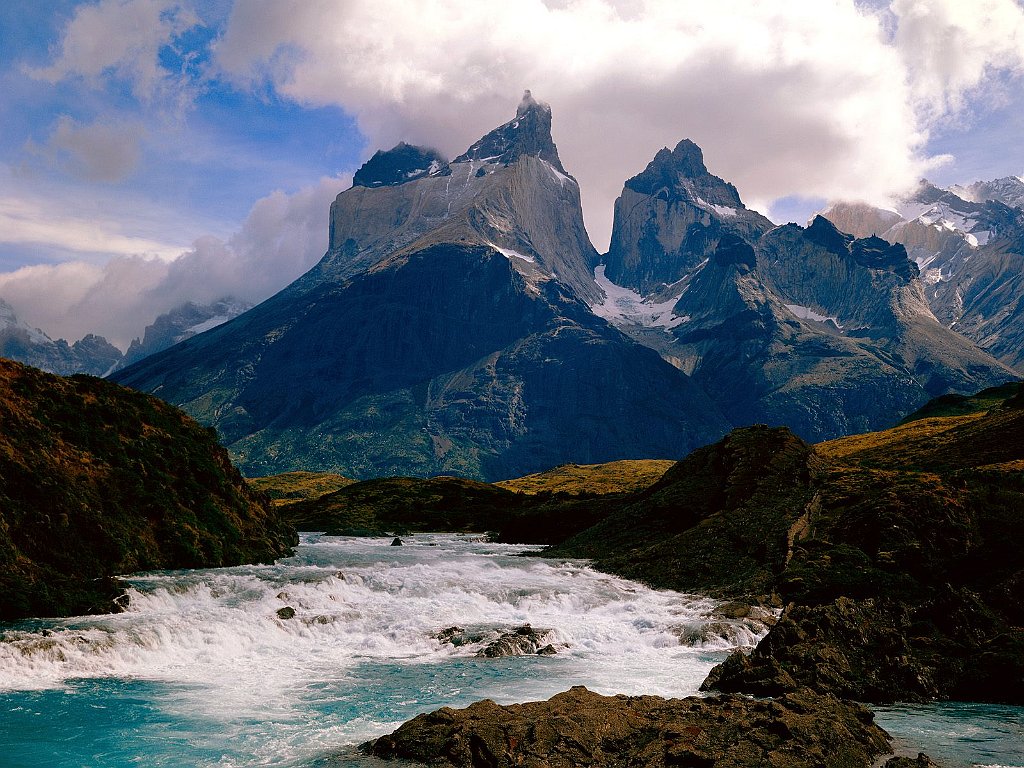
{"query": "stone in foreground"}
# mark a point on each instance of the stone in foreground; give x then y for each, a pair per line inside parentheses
(583, 728)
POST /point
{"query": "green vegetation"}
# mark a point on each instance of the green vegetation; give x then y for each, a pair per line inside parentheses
(98, 480)
(625, 476)
(290, 487)
(962, 405)
(897, 553)
(406, 504)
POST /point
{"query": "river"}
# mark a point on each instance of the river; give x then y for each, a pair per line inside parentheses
(202, 671)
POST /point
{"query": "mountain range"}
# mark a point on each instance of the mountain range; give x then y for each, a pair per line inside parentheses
(461, 322)
(967, 242)
(96, 356)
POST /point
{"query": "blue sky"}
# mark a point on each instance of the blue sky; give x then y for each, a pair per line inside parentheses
(155, 151)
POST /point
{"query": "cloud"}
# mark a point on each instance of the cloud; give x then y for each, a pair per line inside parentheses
(282, 237)
(808, 98)
(105, 151)
(30, 220)
(122, 38)
(950, 47)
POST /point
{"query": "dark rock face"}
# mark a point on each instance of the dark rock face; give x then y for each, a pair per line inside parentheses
(91, 354)
(581, 728)
(671, 216)
(896, 554)
(447, 361)
(97, 480)
(398, 165)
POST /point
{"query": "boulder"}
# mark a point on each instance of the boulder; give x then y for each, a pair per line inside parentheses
(582, 728)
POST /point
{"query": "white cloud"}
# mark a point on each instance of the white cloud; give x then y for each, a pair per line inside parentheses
(805, 98)
(283, 236)
(105, 150)
(122, 38)
(31, 220)
(949, 47)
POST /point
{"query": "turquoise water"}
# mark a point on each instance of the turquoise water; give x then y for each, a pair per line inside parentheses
(957, 735)
(201, 671)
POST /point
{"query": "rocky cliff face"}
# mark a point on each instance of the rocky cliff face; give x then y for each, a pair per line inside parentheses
(894, 553)
(807, 327)
(670, 217)
(97, 480)
(448, 360)
(18, 341)
(968, 245)
(509, 190)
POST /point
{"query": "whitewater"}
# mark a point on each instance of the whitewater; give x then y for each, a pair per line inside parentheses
(203, 670)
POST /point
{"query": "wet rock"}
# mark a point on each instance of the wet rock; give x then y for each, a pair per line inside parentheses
(397, 542)
(921, 761)
(582, 728)
(459, 637)
(523, 641)
(286, 613)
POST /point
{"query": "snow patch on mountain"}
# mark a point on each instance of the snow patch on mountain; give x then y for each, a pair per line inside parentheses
(10, 321)
(213, 322)
(806, 313)
(560, 177)
(722, 210)
(624, 306)
(944, 217)
(509, 254)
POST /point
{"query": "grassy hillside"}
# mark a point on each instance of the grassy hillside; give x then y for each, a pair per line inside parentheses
(390, 504)
(962, 405)
(592, 479)
(897, 553)
(290, 487)
(98, 480)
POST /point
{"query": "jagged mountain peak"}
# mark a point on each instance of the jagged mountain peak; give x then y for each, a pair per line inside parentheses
(824, 233)
(528, 133)
(1008, 190)
(402, 163)
(871, 252)
(681, 173)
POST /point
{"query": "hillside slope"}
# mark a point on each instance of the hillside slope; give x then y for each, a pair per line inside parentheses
(896, 554)
(98, 480)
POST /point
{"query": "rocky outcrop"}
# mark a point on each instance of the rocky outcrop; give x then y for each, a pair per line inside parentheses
(523, 641)
(894, 553)
(97, 480)
(716, 523)
(671, 217)
(582, 728)
(91, 354)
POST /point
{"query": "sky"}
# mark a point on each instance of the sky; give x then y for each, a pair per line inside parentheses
(160, 151)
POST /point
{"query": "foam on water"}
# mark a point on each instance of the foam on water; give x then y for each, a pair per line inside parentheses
(208, 651)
